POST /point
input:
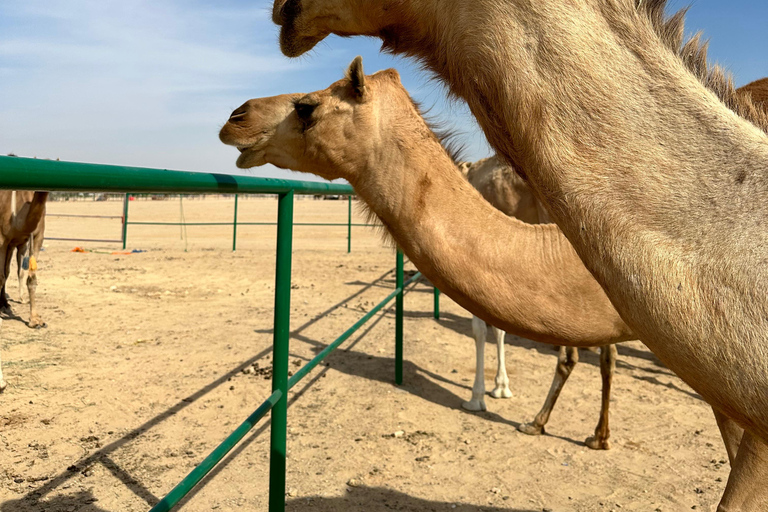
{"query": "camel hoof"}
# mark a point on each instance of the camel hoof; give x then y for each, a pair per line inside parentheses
(501, 392)
(474, 405)
(6, 310)
(531, 429)
(597, 444)
(37, 324)
(3, 385)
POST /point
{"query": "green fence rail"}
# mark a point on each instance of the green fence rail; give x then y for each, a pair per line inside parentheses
(31, 174)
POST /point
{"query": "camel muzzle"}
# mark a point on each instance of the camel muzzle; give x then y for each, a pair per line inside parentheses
(278, 16)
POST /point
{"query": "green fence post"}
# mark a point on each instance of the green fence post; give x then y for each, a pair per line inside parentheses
(234, 228)
(280, 352)
(126, 200)
(399, 320)
(436, 305)
(349, 224)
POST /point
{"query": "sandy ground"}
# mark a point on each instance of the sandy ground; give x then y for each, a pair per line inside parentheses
(139, 375)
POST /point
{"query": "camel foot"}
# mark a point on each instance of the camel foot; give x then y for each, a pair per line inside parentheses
(6, 310)
(597, 443)
(3, 385)
(501, 392)
(531, 429)
(474, 405)
(37, 323)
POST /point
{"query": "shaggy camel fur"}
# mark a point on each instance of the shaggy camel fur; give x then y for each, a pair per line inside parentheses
(501, 186)
(22, 225)
(645, 156)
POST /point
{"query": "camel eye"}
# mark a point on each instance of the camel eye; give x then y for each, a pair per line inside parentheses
(305, 110)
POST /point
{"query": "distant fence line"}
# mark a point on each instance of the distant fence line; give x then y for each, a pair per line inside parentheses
(129, 197)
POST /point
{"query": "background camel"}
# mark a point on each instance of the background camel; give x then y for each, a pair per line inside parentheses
(22, 214)
(645, 156)
(501, 186)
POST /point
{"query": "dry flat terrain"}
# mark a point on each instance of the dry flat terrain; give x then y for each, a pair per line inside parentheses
(139, 374)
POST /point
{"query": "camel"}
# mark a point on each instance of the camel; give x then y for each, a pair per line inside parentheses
(501, 186)
(546, 294)
(643, 154)
(504, 189)
(22, 217)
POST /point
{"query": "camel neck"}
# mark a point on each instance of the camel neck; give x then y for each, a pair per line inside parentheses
(465, 246)
(636, 160)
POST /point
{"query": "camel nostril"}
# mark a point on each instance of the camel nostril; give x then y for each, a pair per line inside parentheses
(239, 114)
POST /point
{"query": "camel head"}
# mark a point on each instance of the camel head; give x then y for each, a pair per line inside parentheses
(330, 133)
(304, 23)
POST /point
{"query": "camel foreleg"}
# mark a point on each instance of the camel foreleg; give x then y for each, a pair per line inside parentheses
(607, 368)
(480, 331)
(7, 254)
(36, 243)
(567, 359)
(502, 379)
(3, 384)
(747, 490)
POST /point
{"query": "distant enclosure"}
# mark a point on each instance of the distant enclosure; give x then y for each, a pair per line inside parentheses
(199, 221)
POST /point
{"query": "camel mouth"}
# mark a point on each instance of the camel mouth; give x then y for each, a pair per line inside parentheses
(250, 156)
(294, 45)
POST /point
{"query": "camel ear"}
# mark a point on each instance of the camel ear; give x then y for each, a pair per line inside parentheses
(357, 76)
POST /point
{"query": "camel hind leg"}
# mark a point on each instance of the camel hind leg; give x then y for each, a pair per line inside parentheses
(746, 490)
(502, 379)
(607, 367)
(567, 359)
(731, 433)
(477, 402)
(22, 253)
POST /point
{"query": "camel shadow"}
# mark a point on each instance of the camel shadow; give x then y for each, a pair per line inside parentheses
(417, 381)
(379, 499)
(82, 501)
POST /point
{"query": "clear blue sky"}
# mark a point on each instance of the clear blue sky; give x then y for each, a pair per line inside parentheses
(149, 82)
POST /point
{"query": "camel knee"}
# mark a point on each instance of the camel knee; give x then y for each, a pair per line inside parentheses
(479, 329)
(567, 361)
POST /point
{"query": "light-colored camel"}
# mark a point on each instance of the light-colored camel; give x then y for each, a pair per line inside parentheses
(501, 186)
(645, 156)
(545, 294)
(22, 226)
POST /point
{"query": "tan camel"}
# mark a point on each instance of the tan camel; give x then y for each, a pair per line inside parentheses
(645, 156)
(22, 226)
(545, 294)
(501, 186)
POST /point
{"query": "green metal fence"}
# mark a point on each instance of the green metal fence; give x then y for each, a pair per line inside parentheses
(31, 174)
(235, 222)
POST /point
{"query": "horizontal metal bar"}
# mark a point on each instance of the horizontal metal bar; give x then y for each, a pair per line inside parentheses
(197, 474)
(33, 174)
(142, 223)
(135, 223)
(349, 332)
(47, 214)
(83, 240)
